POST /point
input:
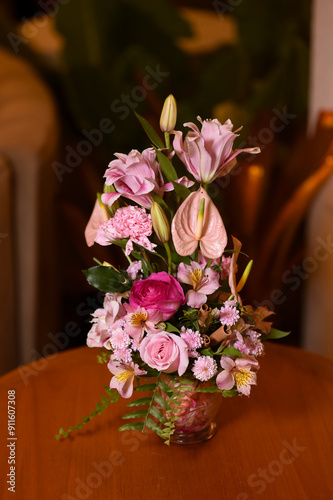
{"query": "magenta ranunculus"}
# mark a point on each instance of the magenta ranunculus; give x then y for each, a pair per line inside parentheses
(161, 292)
(208, 154)
(165, 352)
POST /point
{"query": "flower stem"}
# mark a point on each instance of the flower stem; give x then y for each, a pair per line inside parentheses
(167, 141)
(147, 261)
(168, 251)
(128, 258)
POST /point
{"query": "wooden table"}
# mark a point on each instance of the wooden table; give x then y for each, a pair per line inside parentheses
(275, 445)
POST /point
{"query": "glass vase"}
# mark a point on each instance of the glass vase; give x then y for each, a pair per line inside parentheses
(195, 412)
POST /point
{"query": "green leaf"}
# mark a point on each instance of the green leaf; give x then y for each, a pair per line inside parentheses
(160, 201)
(164, 387)
(153, 426)
(208, 389)
(145, 387)
(170, 328)
(108, 279)
(161, 401)
(134, 426)
(231, 351)
(150, 131)
(182, 191)
(136, 414)
(275, 334)
(157, 414)
(230, 394)
(207, 352)
(167, 168)
(139, 402)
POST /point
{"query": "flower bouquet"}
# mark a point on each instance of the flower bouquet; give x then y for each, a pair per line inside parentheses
(173, 323)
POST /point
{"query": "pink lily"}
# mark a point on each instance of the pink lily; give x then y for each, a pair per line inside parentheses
(203, 281)
(237, 373)
(123, 378)
(190, 227)
(208, 154)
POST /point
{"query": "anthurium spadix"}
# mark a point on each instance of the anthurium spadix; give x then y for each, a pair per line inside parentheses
(197, 221)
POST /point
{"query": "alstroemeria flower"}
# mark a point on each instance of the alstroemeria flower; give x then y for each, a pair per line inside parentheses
(187, 231)
(238, 373)
(140, 320)
(203, 281)
(103, 319)
(124, 374)
(208, 154)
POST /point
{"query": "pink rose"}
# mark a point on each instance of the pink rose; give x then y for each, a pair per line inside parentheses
(165, 352)
(161, 292)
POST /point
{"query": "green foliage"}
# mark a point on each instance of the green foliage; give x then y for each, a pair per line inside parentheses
(150, 131)
(153, 402)
(229, 351)
(230, 394)
(274, 334)
(182, 191)
(180, 387)
(103, 358)
(108, 279)
(167, 168)
(112, 397)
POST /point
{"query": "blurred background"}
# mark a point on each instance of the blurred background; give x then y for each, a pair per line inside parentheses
(71, 74)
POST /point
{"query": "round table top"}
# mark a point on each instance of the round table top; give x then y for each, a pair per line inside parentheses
(276, 444)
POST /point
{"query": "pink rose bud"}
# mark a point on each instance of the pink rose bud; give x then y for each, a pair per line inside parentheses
(160, 222)
(169, 114)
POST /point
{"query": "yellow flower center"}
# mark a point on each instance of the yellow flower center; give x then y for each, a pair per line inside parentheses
(123, 376)
(242, 377)
(196, 277)
(139, 319)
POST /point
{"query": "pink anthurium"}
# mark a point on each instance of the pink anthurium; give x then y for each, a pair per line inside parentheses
(98, 216)
(199, 221)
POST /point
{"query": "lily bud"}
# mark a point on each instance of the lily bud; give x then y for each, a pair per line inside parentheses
(160, 222)
(169, 114)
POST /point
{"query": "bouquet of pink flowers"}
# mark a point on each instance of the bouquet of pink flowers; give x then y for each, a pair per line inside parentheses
(175, 313)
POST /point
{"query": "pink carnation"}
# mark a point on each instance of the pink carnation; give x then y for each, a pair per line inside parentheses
(128, 222)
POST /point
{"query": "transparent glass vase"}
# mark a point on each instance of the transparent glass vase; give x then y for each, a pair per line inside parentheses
(196, 412)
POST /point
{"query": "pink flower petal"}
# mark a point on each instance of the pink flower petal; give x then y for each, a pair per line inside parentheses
(213, 237)
(96, 219)
(225, 381)
(195, 299)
